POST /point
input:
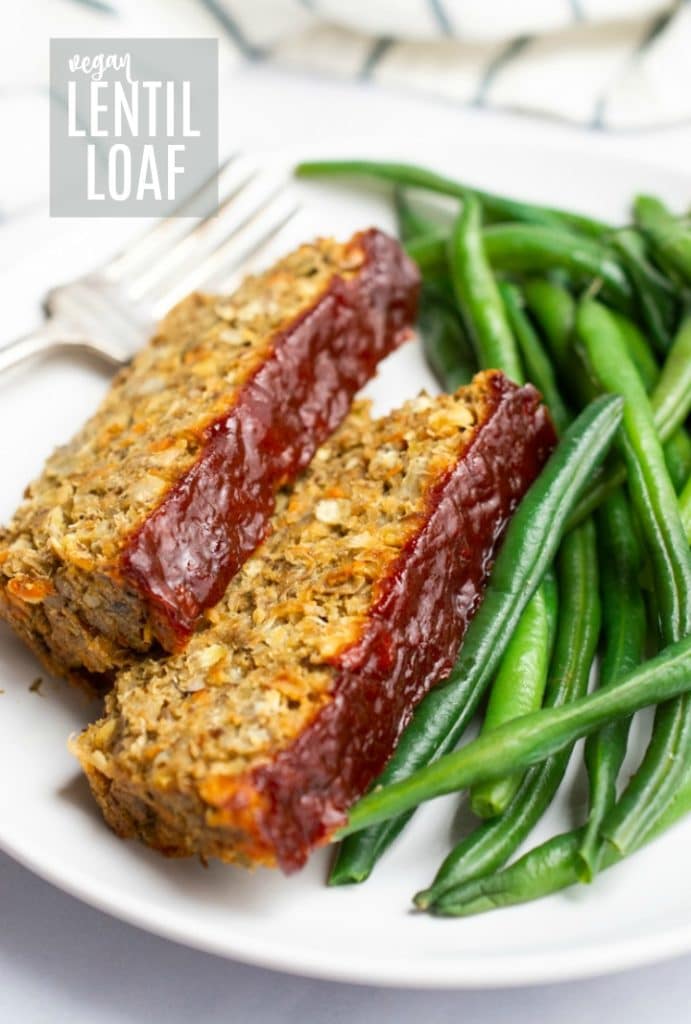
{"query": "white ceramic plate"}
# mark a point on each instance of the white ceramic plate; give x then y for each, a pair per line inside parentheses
(635, 913)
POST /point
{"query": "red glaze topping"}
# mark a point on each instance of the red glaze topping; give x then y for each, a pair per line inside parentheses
(185, 553)
(414, 631)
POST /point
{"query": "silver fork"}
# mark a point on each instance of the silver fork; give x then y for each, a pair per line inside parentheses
(111, 311)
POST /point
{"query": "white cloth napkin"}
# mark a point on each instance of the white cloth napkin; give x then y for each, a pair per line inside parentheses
(609, 64)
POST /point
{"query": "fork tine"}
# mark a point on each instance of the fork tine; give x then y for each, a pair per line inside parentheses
(263, 192)
(159, 234)
(256, 232)
(187, 246)
(222, 266)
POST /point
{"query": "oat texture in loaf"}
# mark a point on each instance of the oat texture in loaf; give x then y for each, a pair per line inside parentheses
(65, 583)
(177, 759)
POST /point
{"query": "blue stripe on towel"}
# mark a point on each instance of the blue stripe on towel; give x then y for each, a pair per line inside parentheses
(441, 16)
(373, 58)
(233, 31)
(656, 26)
(97, 5)
(497, 65)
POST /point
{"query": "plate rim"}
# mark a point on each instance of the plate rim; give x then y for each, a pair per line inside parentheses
(482, 972)
(517, 971)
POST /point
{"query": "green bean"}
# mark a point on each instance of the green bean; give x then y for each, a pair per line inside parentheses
(527, 550)
(411, 223)
(672, 396)
(655, 296)
(531, 248)
(559, 862)
(685, 509)
(493, 842)
(670, 402)
(656, 780)
(545, 870)
(518, 688)
(478, 296)
(639, 351)
(648, 480)
(624, 622)
(439, 285)
(538, 366)
(526, 248)
(605, 483)
(446, 346)
(418, 177)
(554, 309)
(429, 251)
(669, 236)
(656, 507)
(613, 475)
(678, 458)
(530, 740)
(444, 339)
(520, 682)
(540, 872)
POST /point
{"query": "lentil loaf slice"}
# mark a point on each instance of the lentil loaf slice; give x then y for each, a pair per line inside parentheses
(251, 743)
(137, 525)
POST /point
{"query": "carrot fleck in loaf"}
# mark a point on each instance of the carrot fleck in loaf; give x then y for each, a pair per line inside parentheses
(251, 743)
(137, 525)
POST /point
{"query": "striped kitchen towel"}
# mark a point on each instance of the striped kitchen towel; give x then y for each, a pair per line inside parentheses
(608, 64)
(612, 64)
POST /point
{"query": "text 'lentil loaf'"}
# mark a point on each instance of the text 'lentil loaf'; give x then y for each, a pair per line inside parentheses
(251, 743)
(137, 525)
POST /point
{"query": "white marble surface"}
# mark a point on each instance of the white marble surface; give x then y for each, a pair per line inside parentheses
(62, 961)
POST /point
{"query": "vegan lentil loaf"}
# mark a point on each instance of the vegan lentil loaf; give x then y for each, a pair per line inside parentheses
(251, 743)
(137, 525)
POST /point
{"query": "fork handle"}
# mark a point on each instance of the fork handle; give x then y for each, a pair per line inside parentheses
(47, 337)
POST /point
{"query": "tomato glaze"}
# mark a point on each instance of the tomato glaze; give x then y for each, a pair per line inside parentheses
(183, 556)
(413, 632)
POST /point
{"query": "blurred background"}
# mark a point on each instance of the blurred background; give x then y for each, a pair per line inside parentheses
(612, 66)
